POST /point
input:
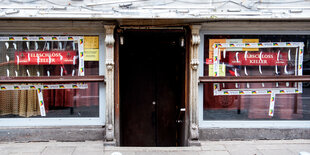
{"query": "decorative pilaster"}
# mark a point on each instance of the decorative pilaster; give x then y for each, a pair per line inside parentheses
(194, 63)
(109, 62)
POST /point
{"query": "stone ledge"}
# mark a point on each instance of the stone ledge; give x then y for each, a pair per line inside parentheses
(253, 133)
(58, 133)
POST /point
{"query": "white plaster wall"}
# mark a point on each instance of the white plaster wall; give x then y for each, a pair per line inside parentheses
(156, 9)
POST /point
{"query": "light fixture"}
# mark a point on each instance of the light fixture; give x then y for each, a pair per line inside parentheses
(182, 11)
(125, 5)
(59, 8)
(121, 40)
(182, 42)
(296, 11)
(9, 12)
(233, 10)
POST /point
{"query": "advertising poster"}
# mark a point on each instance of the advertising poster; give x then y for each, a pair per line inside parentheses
(211, 43)
(222, 70)
(234, 41)
(45, 57)
(257, 58)
(91, 48)
(250, 41)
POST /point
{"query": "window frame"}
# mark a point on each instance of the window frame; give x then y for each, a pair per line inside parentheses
(61, 121)
(248, 123)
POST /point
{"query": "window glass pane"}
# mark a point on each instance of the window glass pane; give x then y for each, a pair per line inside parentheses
(60, 100)
(48, 55)
(272, 61)
(251, 101)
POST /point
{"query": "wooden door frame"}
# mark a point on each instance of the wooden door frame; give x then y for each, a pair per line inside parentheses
(191, 129)
(118, 34)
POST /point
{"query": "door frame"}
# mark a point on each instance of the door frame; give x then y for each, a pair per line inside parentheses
(118, 33)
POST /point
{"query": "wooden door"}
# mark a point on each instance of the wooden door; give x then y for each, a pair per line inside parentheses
(151, 75)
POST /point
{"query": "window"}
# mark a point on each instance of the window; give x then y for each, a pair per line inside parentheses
(49, 76)
(59, 100)
(248, 104)
(264, 82)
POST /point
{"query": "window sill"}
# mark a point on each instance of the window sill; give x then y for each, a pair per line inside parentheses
(254, 79)
(52, 79)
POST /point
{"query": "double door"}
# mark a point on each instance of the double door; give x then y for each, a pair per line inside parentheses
(152, 73)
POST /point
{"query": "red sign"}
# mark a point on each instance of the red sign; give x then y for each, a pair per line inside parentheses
(257, 58)
(45, 57)
(209, 61)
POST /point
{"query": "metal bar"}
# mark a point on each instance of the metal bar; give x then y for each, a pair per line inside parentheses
(254, 79)
(52, 79)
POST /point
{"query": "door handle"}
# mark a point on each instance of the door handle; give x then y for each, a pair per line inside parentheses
(154, 103)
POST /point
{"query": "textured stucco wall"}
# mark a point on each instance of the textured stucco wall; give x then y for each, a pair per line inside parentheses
(155, 9)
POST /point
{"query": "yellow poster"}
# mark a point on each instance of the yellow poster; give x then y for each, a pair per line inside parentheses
(211, 43)
(222, 70)
(250, 41)
(91, 48)
(91, 54)
(91, 42)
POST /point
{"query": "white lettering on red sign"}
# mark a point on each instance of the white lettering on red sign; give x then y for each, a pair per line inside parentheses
(254, 59)
(45, 57)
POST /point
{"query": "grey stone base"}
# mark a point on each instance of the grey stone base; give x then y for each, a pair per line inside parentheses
(31, 134)
(253, 133)
(109, 143)
(194, 143)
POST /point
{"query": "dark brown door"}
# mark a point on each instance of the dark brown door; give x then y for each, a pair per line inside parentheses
(152, 71)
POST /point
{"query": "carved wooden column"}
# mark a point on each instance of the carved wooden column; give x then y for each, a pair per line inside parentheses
(109, 62)
(194, 62)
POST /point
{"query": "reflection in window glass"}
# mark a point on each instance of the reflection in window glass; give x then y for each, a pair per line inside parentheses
(273, 61)
(255, 61)
(294, 106)
(57, 102)
(252, 101)
(45, 57)
(37, 56)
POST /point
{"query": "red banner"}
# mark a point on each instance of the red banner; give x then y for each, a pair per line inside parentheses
(45, 57)
(257, 58)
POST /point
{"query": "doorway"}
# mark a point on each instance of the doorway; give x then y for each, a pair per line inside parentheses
(152, 87)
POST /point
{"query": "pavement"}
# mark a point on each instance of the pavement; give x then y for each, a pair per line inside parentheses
(258, 147)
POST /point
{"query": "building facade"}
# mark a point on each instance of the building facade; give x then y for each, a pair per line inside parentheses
(154, 73)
